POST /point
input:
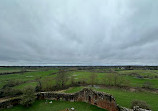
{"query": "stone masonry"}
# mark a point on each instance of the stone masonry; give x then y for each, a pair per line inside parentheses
(102, 100)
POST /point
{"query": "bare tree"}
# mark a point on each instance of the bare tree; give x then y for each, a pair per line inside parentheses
(93, 78)
(147, 84)
(72, 80)
(115, 79)
(108, 79)
(61, 78)
(23, 70)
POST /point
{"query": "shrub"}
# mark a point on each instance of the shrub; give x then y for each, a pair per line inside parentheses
(93, 78)
(114, 79)
(141, 104)
(123, 82)
(9, 92)
(83, 81)
(61, 78)
(46, 84)
(12, 83)
(72, 80)
(38, 88)
(147, 84)
(28, 97)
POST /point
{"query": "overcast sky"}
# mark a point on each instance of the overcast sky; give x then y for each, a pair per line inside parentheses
(80, 32)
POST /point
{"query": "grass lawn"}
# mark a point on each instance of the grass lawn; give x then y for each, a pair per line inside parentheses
(124, 98)
(150, 73)
(56, 106)
(73, 89)
(25, 77)
(7, 70)
(134, 82)
(80, 76)
(23, 86)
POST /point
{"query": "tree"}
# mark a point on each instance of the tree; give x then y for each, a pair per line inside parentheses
(46, 84)
(12, 83)
(9, 91)
(28, 97)
(147, 84)
(72, 80)
(108, 79)
(23, 70)
(93, 78)
(39, 85)
(82, 81)
(61, 78)
(114, 79)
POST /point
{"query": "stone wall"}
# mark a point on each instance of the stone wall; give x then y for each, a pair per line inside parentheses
(135, 108)
(7, 103)
(102, 100)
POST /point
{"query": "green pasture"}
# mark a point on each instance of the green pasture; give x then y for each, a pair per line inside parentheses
(25, 85)
(56, 106)
(133, 81)
(150, 73)
(7, 70)
(26, 77)
(73, 89)
(124, 98)
(84, 75)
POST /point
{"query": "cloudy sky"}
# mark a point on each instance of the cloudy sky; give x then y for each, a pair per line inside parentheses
(78, 32)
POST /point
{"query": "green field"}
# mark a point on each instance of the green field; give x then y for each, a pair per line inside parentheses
(56, 106)
(7, 70)
(73, 89)
(26, 77)
(135, 78)
(15, 69)
(30, 77)
(133, 81)
(124, 98)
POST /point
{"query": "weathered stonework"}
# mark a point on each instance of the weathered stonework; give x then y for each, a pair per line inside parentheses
(102, 100)
(135, 108)
(8, 103)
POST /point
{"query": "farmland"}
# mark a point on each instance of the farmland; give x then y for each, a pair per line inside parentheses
(144, 83)
(123, 97)
(134, 81)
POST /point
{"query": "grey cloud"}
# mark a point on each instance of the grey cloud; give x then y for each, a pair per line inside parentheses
(83, 32)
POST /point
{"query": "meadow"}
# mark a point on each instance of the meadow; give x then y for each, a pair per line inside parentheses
(123, 97)
(75, 78)
(29, 77)
(56, 106)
